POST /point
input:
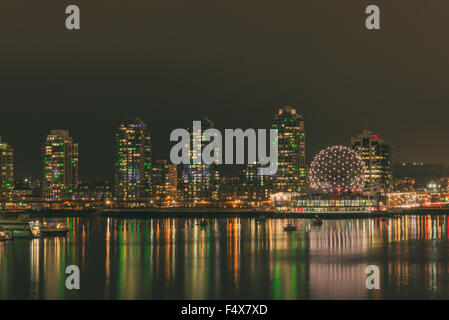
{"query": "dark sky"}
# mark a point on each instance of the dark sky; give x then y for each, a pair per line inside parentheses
(172, 61)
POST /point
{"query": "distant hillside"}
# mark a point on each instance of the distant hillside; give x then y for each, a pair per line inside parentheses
(423, 173)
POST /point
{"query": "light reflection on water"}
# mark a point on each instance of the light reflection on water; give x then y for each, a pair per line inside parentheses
(232, 258)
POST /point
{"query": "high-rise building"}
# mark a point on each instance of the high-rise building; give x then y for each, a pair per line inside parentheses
(254, 186)
(164, 181)
(133, 162)
(6, 171)
(60, 166)
(200, 181)
(291, 175)
(377, 155)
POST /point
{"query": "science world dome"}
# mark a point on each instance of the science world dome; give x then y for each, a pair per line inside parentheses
(337, 169)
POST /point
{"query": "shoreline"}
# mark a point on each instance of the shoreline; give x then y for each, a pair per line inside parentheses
(189, 213)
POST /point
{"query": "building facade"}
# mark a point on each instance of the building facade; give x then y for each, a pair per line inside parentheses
(377, 155)
(325, 203)
(27, 189)
(292, 172)
(6, 171)
(254, 186)
(164, 182)
(132, 163)
(200, 181)
(60, 166)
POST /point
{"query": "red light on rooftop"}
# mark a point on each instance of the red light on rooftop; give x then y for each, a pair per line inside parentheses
(377, 136)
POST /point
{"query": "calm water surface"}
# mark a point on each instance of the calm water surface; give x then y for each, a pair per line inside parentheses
(232, 258)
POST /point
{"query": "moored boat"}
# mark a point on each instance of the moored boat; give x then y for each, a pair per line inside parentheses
(261, 219)
(317, 221)
(5, 234)
(50, 230)
(202, 223)
(17, 225)
(290, 227)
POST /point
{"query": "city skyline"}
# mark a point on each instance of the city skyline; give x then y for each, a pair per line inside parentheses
(85, 174)
(107, 173)
(140, 179)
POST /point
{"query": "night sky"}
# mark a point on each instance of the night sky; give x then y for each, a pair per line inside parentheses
(171, 62)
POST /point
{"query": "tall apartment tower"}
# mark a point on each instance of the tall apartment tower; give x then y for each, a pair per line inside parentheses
(291, 175)
(377, 155)
(200, 181)
(6, 171)
(164, 181)
(60, 166)
(254, 185)
(133, 162)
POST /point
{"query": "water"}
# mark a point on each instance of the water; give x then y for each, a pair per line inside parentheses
(233, 258)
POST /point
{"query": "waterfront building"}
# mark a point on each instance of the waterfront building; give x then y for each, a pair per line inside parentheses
(27, 189)
(254, 186)
(230, 189)
(200, 182)
(291, 175)
(164, 180)
(104, 191)
(82, 192)
(444, 183)
(133, 163)
(377, 156)
(405, 184)
(100, 191)
(6, 171)
(60, 166)
(293, 202)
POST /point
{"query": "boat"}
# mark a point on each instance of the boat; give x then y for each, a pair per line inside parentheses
(5, 234)
(261, 219)
(50, 230)
(317, 221)
(202, 223)
(53, 231)
(11, 221)
(18, 225)
(290, 227)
